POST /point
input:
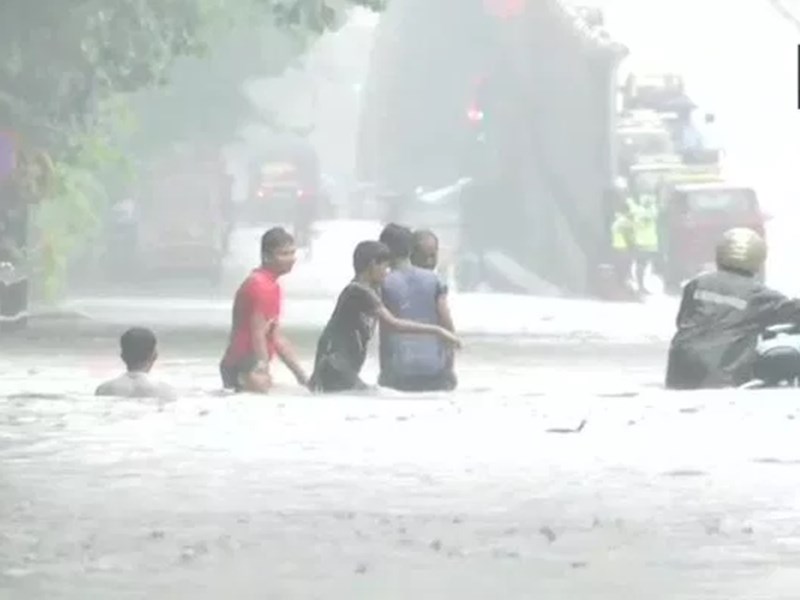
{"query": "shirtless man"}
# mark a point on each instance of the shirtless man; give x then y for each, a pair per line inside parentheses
(138, 352)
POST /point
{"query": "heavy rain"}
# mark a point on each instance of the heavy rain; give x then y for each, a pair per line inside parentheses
(146, 147)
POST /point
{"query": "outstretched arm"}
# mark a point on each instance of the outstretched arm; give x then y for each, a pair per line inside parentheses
(405, 326)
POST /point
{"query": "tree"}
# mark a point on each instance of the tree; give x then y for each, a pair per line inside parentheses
(67, 69)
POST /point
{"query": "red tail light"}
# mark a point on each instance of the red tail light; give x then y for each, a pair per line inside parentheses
(475, 114)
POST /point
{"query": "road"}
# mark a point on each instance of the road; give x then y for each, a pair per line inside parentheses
(559, 470)
(533, 481)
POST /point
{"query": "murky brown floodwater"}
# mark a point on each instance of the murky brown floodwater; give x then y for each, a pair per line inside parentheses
(495, 491)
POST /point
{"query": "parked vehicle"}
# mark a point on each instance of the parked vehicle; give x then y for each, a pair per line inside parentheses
(183, 216)
(694, 216)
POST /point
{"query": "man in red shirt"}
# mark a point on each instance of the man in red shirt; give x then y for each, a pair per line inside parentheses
(255, 338)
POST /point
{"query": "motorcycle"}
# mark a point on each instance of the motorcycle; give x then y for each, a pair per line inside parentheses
(777, 362)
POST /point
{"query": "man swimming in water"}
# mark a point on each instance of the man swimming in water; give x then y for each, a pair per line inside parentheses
(415, 363)
(255, 338)
(342, 348)
(138, 352)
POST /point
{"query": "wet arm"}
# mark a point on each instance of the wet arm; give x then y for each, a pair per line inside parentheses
(403, 325)
(777, 309)
(289, 358)
(443, 310)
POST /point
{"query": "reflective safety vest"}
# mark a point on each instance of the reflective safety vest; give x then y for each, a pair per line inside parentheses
(645, 226)
(621, 232)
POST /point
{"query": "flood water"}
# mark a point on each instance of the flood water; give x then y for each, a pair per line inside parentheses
(559, 470)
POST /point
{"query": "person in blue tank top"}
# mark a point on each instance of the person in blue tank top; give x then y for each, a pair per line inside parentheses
(342, 347)
(418, 363)
(425, 255)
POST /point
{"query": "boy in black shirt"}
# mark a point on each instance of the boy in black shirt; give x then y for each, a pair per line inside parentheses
(342, 348)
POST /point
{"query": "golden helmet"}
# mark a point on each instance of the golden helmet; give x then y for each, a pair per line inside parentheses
(741, 249)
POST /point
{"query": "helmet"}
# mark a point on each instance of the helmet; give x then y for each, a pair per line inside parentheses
(741, 249)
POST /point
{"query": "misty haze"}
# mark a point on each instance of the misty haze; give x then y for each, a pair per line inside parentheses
(392, 299)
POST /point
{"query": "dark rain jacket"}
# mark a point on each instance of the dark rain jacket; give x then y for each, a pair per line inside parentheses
(720, 318)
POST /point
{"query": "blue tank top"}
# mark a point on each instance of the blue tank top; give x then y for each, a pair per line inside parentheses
(412, 293)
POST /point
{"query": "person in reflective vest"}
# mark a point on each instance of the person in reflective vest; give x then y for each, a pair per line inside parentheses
(623, 243)
(645, 227)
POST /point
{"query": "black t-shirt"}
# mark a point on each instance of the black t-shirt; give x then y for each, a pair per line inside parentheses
(342, 348)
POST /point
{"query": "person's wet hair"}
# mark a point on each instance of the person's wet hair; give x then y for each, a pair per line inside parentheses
(274, 239)
(138, 345)
(421, 236)
(399, 239)
(370, 253)
(425, 252)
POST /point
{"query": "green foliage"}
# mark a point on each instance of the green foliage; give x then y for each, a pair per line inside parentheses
(204, 100)
(74, 74)
(316, 16)
(61, 61)
(67, 217)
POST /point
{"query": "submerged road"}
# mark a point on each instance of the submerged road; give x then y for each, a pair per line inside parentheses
(559, 470)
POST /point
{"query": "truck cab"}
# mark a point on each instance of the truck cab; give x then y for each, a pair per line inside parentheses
(637, 143)
(653, 90)
(183, 216)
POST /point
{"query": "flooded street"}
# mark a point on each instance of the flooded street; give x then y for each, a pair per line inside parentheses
(558, 471)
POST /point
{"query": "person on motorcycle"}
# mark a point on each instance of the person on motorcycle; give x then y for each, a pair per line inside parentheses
(721, 316)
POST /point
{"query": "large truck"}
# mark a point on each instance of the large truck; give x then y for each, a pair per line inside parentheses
(521, 100)
(183, 215)
(286, 188)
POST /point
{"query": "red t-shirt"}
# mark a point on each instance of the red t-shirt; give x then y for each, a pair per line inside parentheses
(259, 294)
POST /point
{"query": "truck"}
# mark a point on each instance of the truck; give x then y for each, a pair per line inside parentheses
(286, 188)
(183, 215)
(695, 213)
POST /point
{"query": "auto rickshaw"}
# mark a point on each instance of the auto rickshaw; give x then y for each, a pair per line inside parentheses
(694, 216)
